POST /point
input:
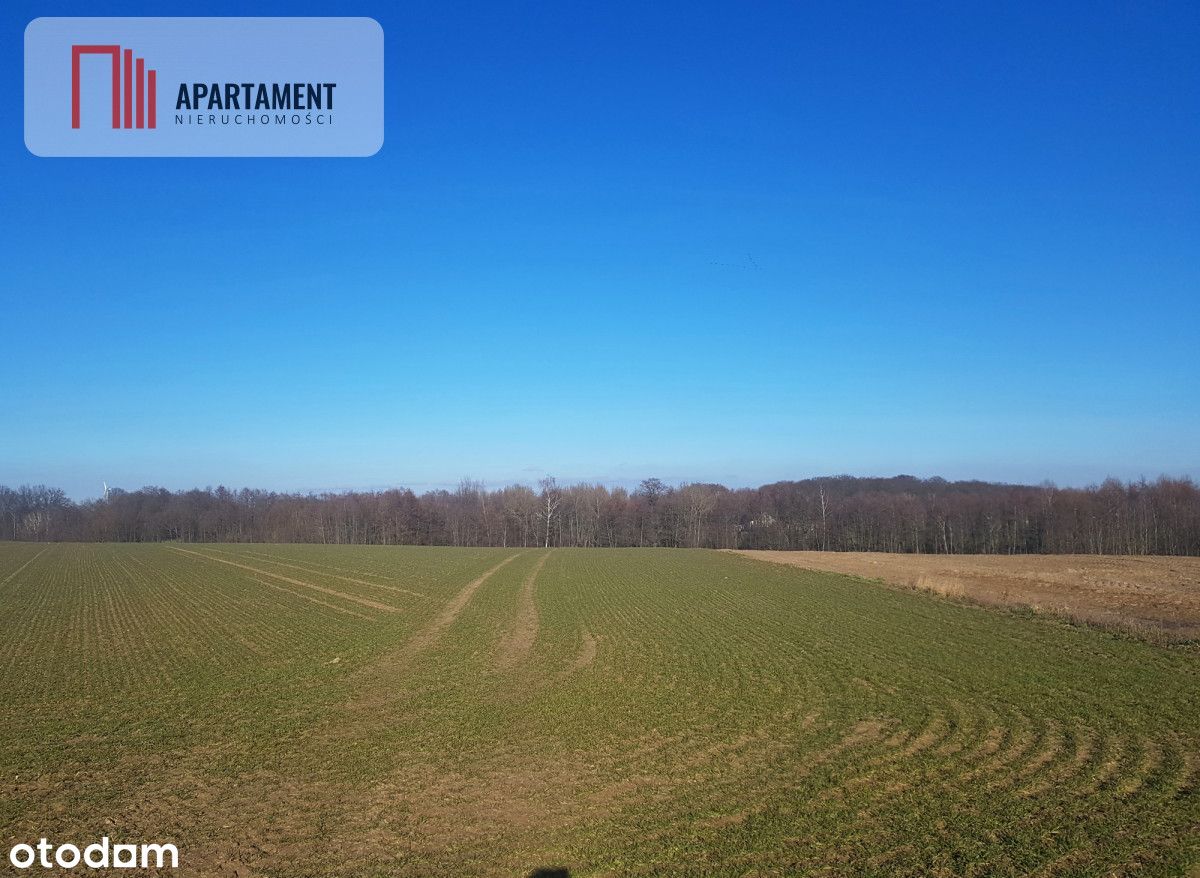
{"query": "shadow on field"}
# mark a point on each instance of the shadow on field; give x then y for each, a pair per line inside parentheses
(550, 872)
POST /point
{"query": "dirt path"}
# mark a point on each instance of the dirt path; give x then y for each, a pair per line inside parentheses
(1157, 597)
(366, 602)
(519, 640)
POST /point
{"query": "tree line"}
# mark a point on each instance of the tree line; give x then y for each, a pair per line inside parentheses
(838, 513)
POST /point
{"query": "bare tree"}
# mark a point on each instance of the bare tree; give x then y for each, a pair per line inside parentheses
(551, 498)
(699, 501)
(824, 521)
(898, 514)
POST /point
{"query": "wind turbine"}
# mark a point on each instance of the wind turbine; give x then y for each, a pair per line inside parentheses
(105, 484)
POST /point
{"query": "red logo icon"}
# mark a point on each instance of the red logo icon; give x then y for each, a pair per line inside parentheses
(145, 80)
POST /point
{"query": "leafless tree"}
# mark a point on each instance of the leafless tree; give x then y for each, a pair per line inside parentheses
(551, 498)
(899, 514)
(824, 521)
(699, 502)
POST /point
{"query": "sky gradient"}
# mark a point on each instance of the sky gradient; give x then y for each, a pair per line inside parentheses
(696, 241)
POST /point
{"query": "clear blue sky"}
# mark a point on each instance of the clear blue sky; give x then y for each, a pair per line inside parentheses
(738, 242)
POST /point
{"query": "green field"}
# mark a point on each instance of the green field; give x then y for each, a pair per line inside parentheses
(327, 711)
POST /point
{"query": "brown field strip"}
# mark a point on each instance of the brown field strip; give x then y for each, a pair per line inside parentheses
(1156, 597)
(517, 642)
(366, 602)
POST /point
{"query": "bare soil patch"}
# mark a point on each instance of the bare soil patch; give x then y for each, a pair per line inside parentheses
(1153, 596)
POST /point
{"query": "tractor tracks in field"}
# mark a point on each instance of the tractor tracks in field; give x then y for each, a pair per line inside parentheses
(272, 559)
(357, 599)
(286, 800)
(380, 684)
(377, 686)
(517, 642)
(432, 632)
(515, 645)
(13, 575)
(584, 657)
(502, 795)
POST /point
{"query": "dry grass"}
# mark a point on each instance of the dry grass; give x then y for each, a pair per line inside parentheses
(1157, 598)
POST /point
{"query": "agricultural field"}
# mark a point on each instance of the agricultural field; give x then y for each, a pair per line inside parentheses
(1156, 597)
(369, 711)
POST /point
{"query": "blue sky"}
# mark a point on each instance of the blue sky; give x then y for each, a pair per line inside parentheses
(729, 242)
